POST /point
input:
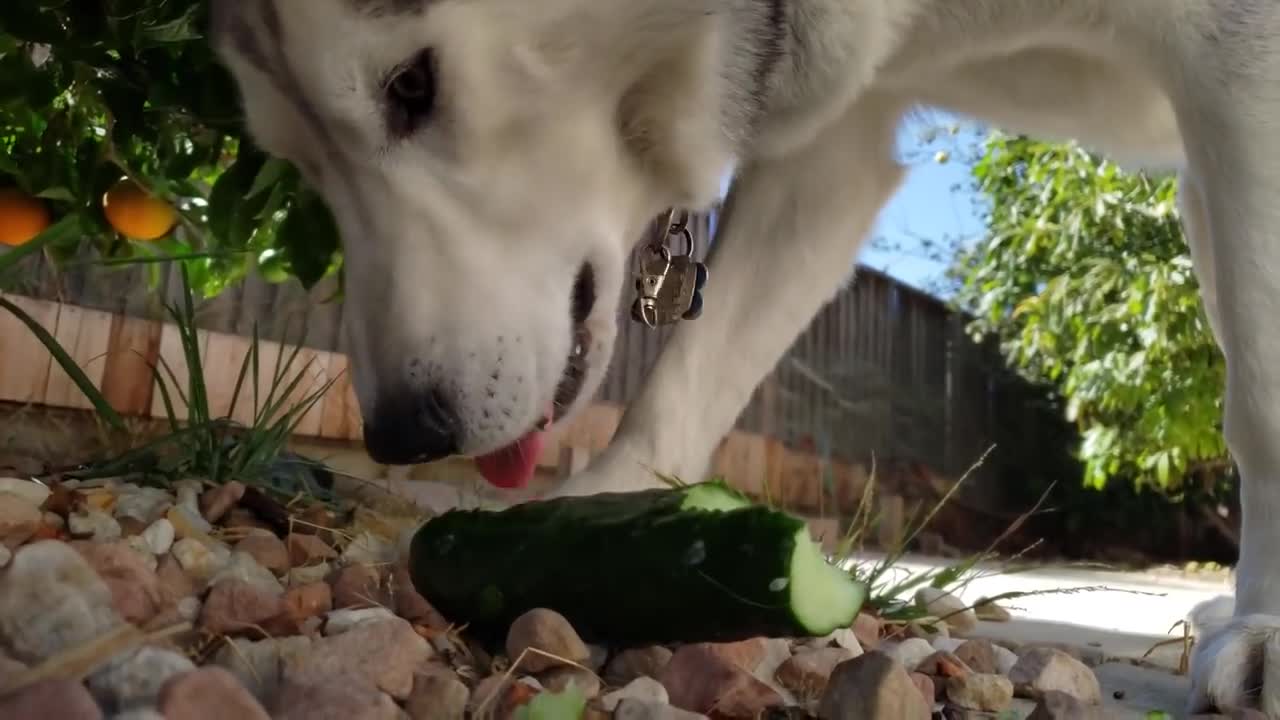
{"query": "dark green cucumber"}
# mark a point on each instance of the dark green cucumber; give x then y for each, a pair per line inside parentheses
(691, 564)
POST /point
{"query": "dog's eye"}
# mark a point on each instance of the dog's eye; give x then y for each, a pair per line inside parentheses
(411, 95)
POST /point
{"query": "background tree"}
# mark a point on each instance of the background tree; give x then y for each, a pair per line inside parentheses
(1086, 279)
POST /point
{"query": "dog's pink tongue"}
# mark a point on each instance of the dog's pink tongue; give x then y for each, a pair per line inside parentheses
(513, 466)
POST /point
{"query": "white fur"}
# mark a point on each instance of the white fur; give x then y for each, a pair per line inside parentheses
(566, 124)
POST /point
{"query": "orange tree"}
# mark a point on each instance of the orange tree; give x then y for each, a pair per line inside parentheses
(93, 92)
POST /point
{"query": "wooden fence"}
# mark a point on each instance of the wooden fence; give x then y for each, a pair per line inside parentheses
(883, 372)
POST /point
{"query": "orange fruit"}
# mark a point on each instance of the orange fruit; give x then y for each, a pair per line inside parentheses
(137, 214)
(22, 217)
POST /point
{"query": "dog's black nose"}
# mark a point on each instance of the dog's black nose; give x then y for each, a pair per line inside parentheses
(410, 427)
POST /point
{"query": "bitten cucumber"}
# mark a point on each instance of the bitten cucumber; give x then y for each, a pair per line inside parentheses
(699, 563)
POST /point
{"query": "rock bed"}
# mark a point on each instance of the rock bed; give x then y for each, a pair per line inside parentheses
(136, 603)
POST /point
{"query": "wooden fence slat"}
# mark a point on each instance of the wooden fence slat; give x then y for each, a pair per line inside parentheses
(132, 351)
(86, 337)
(24, 361)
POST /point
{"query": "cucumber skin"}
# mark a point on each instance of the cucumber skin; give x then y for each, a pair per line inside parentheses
(620, 567)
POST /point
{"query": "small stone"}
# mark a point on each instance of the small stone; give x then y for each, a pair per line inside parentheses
(209, 693)
(1005, 659)
(308, 550)
(979, 655)
(54, 698)
(409, 603)
(215, 503)
(910, 652)
(840, 637)
(980, 691)
(335, 701)
(947, 607)
(437, 695)
(341, 621)
(317, 520)
(925, 685)
(130, 528)
(700, 677)
(33, 492)
(383, 653)
(188, 524)
(1040, 670)
(806, 673)
(188, 494)
(634, 663)
(369, 549)
(51, 600)
(268, 550)
(243, 567)
(867, 629)
(642, 688)
(19, 520)
(136, 592)
(6, 555)
(134, 679)
(546, 631)
(987, 609)
(159, 536)
(257, 664)
(139, 547)
(943, 664)
(140, 714)
(1054, 705)
(303, 602)
(559, 679)
(94, 524)
(633, 709)
(189, 608)
(309, 574)
(143, 505)
(236, 607)
(174, 579)
(200, 561)
(244, 519)
(358, 586)
(872, 686)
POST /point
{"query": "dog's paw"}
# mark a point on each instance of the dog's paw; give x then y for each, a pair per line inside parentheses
(1238, 666)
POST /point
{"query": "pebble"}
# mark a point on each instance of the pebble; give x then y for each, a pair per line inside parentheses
(188, 524)
(367, 548)
(546, 631)
(304, 602)
(138, 546)
(634, 663)
(55, 698)
(1054, 705)
(145, 505)
(345, 701)
(910, 652)
(6, 555)
(383, 653)
(309, 574)
(159, 536)
(189, 608)
(307, 549)
(980, 691)
(199, 560)
(257, 664)
(33, 492)
(358, 586)
(51, 600)
(806, 672)
(209, 693)
(19, 520)
(341, 621)
(188, 494)
(173, 578)
(91, 523)
(700, 677)
(237, 607)
(867, 629)
(437, 695)
(242, 566)
(136, 592)
(987, 609)
(872, 686)
(925, 685)
(268, 550)
(947, 607)
(409, 603)
(134, 680)
(1041, 669)
(841, 638)
(641, 688)
(215, 502)
(632, 709)
(140, 714)
(561, 678)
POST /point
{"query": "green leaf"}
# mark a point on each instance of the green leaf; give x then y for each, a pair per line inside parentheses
(308, 238)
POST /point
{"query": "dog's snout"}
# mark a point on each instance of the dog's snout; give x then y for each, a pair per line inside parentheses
(410, 427)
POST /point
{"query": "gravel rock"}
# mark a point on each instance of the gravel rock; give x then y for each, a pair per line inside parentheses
(144, 505)
(136, 592)
(215, 502)
(1054, 705)
(948, 607)
(925, 685)
(94, 524)
(309, 574)
(134, 680)
(139, 714)
(634, 663)
(358, 586)
(303, 602)
(546, 631)
(409, 603)
(642, 688)
(51, 600)
(61, 699)
(200, 561)
(209, 693)
(188, 524)
(335, 701)
(746, 654)
(369, 549)
(632, 709)
(308, 550)
(979, 655)
(159, 536)
(33, 492)
(989, 610)
(875, 687)
(1005, 659)
(268, 550)
(1040, 670)
(980, 691)
(6, 555)
(867, 629)
(943, 664)
(559, 679)
(341, 621)
(841, 638)
(807, 672)
(384, 653)
(236, 607)
(701, 677)
(19, 520)
(910, 652)
(257, 664)
(245, 568)
(174, 579)
(437, 695)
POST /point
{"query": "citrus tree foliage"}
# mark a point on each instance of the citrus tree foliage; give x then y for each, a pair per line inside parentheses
(95, 90)
(1085, 277)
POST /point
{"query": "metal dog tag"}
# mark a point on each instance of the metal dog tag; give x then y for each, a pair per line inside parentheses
(670, 289)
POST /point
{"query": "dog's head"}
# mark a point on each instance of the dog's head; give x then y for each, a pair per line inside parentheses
(491, 164)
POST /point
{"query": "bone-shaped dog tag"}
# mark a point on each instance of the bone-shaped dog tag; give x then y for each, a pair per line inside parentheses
(670, 289)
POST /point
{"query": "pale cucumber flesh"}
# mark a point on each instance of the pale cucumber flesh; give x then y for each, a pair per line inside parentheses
(824, 598)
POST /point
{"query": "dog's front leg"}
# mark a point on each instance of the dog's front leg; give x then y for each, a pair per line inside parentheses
(788, 241)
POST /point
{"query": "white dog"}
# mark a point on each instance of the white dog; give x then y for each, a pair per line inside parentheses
(491, 163)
